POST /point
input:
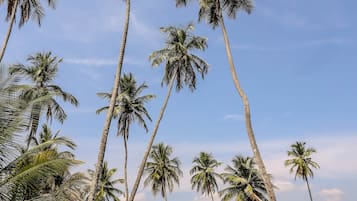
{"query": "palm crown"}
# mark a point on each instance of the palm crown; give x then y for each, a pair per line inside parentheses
(29, 9)
(301, 161)
(204, 177)
(211, 10)
(244, 181)
(178, 60)
(163, 172)
(130, 105)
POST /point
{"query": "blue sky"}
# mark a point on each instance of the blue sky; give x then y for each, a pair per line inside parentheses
(295, 59)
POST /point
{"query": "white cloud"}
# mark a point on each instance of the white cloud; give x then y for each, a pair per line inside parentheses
(236, 117)
(332, 194)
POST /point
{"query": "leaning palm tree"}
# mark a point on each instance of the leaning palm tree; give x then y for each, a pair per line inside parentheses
(180, 66)
(204, 177)
(129, 108)
(41, 73)
(108, 118)
(106, 189)
(28, 9)
(163, 171)
(301, 163)
(244, 182)
(212, 11)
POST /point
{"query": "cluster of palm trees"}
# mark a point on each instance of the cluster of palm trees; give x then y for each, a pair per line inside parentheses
(39, 169)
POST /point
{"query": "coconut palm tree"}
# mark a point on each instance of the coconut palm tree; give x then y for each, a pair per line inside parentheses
(106, 189)
(244, 182)
(28, 9)
(180, 66)
(41, 73)
(212, 11)
(204, 176)
(163, 171)
(128, 109)
(301, 162)
(108, 118)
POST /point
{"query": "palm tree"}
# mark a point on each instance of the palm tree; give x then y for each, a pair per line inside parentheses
(106, 189)
(108, 118)
(244, 181)
(129, 107)
(301, 163)
(41, 73)
(163, 172)
(204, 177)
(180, 66)
(212, 11)
(28, 9)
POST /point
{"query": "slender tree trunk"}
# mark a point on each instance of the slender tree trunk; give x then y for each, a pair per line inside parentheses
(8, 33)
(248, 123)
(209, 189)
(151, 141)
(103, 142)
(308, 188)
(126, 167)
(165, 197)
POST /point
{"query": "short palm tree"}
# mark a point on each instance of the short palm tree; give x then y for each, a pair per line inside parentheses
(109, 116)
(29, 9)
(244, 182)
(41, 73)
(204, 177)
(301, 163)
(163, 171)
(129, 107)
(180, 66)
(106, 189)
(212, 11)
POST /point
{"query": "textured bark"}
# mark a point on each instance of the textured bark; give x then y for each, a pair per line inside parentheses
(8, 33)
(151, 141)
(103, 142)
(126, 167)
(248, 122)
(308, 188)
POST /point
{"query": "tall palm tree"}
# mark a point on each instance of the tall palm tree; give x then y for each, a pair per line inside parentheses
(28, 9)
(204, 177)
(244, 182)
(108, 118)
(301, 163)
(180, 66)
(41, 73)
(212, 11)
(129, 107)
(106, 189)
(163, 172)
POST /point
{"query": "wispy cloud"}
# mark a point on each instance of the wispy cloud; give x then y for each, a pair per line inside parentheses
(91, 61)
(293, 46)
(235, 117)
(332, 194)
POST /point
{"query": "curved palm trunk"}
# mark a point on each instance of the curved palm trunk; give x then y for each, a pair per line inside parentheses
(103, 142)
(126, 167)
(308, 188)
(248, 123)
(8, 33)
(151, 141)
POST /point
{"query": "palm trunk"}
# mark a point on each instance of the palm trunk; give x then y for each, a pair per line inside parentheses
(165, 197)
(209, 189)
(126, 166)
(308, 188)
(248, 123)
(8, 33)
(151, 141)
(103, 142)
